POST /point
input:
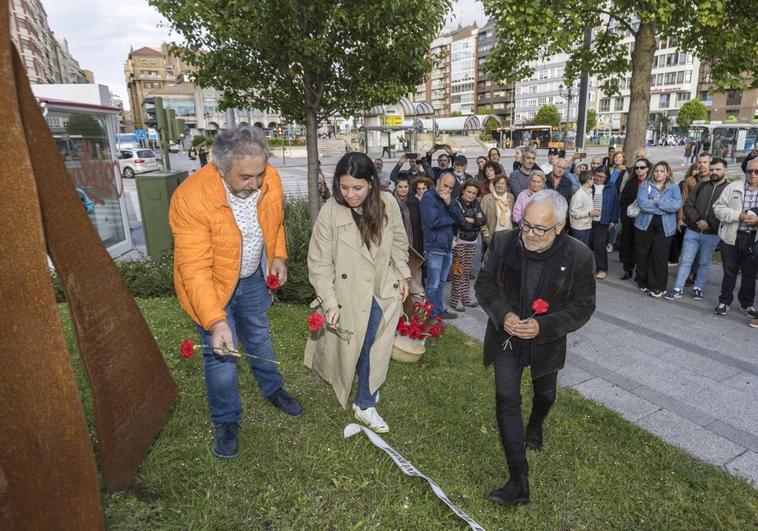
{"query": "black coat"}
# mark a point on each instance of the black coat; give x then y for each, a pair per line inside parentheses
(627, 247)
(570, 292)
(414, 208)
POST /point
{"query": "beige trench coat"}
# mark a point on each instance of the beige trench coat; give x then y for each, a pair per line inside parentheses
(344, 272)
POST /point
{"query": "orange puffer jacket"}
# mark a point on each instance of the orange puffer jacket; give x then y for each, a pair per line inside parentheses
(208, 243)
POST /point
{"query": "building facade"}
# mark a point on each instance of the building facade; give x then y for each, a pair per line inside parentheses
(436, 87)
(489, 94)
(722, 105)
(546, 87)
(47, 59)
(463, 71)
(148, 69)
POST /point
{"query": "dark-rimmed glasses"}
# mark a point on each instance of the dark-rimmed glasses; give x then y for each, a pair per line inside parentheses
(524, 226)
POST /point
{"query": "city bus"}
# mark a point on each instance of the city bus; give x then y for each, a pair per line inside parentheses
(731, 141)
(538, 136)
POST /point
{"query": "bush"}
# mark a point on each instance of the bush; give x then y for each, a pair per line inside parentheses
(197, 140)
(154, 277)
(298, 226)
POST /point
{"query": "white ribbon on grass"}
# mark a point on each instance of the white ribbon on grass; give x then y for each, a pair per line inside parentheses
(410, 470)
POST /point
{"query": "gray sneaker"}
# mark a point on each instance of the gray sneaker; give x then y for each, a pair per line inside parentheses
(673, 294)
(697, 294)
(721, 309)
(750, 311)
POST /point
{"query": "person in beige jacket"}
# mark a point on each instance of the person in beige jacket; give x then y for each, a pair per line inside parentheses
(358, 266)
(497, 207)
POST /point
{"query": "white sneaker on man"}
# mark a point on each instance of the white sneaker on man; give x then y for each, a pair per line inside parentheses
(370, 417)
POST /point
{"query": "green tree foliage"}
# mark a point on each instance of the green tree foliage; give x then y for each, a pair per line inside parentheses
(484, 110)
(547, 115)
(591, 119)
(721, 32)
(84, 125)
(690, 111)
(455, 114)
(309, 60)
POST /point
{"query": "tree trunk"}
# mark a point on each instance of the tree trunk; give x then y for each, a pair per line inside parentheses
(311, 148)
(639, 102)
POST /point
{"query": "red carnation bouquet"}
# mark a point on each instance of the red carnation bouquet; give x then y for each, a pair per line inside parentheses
(420, 324)
(539, 307)
(272, 282)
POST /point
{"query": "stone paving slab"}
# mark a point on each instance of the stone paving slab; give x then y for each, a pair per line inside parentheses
(629, 405)
(746, 466)
(692, 438)
(571, 375)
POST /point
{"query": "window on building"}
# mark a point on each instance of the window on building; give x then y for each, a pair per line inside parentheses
(664, 101)
(671, 59)
(680, 76)
(682, 58)
(681, 97)
(673, 42)
(143, 61)
(618, 104)
(688, 76)
(733, 97)
(605, 105)
(704, 95)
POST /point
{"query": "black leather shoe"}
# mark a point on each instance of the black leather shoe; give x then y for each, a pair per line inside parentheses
(513, 493)
(627, 275)
(285, 403)
(533, 436)
(225, 444)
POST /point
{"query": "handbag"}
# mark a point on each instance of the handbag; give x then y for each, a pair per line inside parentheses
(633, 210)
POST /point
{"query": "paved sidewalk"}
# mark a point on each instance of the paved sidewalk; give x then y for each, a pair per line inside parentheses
(673, 368)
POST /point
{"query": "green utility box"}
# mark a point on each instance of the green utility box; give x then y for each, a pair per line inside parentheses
(154, 192)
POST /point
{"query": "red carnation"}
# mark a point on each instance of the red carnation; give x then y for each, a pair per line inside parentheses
(187, 349)
(315, 321)
(540, 306)
(272, 282)
(436, 330)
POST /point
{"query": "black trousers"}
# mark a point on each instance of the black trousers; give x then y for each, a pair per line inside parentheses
(736, 257)
(652, 256)
(599, 244)
(627, 249)
(508, 372)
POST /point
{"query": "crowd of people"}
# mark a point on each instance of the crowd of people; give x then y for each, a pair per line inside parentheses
(360, 264)
(639, 209)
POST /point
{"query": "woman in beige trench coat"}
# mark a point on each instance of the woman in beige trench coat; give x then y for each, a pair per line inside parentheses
(358, 265)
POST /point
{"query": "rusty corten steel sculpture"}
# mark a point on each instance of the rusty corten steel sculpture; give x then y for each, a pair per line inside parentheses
(48, 475)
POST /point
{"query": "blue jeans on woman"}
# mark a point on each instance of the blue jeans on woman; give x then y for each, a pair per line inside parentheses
(363, 396)
(247, 316)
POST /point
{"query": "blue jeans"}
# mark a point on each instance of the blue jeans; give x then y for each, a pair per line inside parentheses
(437, 269)
(694, 243)
(247, 316)
(582, 235)
(613, 234)
(363, 396)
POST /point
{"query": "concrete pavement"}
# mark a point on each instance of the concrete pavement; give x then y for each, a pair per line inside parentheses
(673, 368)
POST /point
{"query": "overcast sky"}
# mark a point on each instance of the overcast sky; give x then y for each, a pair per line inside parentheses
(100, 32)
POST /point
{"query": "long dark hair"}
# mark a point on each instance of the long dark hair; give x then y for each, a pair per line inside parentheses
(360, 166)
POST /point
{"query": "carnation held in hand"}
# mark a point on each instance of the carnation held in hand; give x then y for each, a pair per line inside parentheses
(272, 282)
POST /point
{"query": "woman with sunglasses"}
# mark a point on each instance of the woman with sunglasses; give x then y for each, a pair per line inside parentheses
(627, 251)
(659, 198)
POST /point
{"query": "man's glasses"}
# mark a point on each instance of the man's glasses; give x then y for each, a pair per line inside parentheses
(640, 167)
(753, 172)
(525, 227)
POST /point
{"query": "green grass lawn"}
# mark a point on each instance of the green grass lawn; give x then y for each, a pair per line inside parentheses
(597, 471)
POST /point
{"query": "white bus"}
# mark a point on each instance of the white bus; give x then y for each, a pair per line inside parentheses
(730, 141)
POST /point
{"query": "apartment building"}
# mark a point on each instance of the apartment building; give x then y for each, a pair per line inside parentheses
(489, 94)
(436, 87)
(463, 70)
(147, 69)
(742, 104)
(545, 86)
(46, 58)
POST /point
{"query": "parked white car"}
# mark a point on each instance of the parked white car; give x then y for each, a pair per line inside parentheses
(134, 161)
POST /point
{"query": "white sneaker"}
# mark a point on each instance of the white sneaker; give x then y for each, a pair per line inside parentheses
(370, 417)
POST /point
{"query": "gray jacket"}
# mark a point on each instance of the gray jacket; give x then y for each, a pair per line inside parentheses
(728, 208)
(519, 181)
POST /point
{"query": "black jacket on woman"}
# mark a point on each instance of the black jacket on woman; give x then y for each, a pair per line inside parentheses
(414, 208)
(466, 231)
(569, 289)
(628, 196)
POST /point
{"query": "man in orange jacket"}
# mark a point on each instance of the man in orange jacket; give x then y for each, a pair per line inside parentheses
(228, 225)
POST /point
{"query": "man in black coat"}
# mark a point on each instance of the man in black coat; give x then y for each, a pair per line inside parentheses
(536, 261)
